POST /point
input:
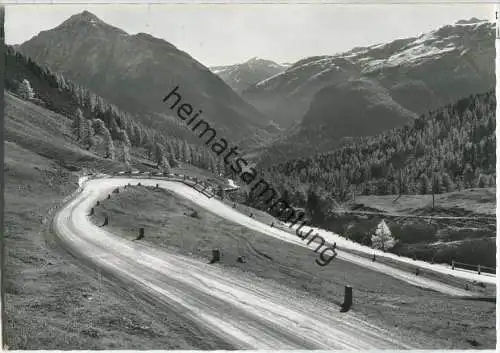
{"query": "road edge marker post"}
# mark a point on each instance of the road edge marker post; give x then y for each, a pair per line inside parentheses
(215, 256)
(347, 299)
(141, 234)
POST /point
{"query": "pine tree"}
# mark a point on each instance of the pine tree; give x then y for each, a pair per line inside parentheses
(124, 137)
(151, 148)
(212, 166)
(179, 149)
(172, 161)
(138, 137)
(437, 184)
(159, 154)
(25, 90)
(220, 167)
(468, 176)
(113, 126)
(77, 116)
(82, 128)
(491, 181)
(482, 181)
(448, 183)
(195, 158)
(126, 154)
(163, 163)
(89, 135)
(99, 127)
(316, 205)
(187, 152)
(146, 140)
(425, 185)
(110, 147)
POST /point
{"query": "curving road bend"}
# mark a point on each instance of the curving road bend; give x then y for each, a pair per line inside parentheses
(244, 311)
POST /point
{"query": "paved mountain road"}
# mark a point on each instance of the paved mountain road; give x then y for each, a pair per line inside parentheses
(245, 311)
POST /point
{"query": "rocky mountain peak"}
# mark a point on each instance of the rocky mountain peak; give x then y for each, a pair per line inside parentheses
(86, 20)
(84, 16)
(472, 20)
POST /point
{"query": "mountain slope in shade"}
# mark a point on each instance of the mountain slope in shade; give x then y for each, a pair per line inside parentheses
(420, 73)
(241, 76)
(353, 108)
(135, 72)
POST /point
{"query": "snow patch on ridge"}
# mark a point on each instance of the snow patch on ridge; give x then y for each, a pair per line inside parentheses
(416, 53)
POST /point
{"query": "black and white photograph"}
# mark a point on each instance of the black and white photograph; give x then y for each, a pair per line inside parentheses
(214, 175)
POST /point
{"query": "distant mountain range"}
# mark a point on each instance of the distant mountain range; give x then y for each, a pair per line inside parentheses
(277, 111)
(135, 72)
(241, 76)
(322, 100)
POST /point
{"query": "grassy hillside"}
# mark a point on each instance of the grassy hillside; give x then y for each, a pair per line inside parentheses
(52, 302)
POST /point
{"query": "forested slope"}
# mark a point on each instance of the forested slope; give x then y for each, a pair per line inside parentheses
(168, 144)
(448, 149)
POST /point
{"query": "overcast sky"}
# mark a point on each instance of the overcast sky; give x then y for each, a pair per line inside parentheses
(232, 33)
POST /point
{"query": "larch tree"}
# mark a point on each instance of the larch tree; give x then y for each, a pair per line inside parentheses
(382, 237)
